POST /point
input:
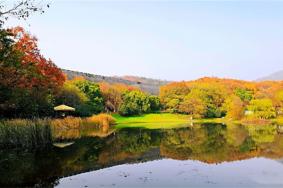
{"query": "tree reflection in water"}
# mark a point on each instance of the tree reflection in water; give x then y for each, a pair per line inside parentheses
(95, 149)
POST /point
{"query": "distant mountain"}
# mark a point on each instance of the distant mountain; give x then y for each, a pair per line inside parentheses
(272, 77)
(146, 84)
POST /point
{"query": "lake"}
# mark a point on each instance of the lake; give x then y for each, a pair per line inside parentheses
(206, 155)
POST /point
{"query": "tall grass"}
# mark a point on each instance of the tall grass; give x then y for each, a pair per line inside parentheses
(67, 123)
(100, 120)
(77, 122)
(37, 133)
(22, 133)
(75, 127)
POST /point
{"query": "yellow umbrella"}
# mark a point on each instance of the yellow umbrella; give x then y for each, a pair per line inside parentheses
(64, 108)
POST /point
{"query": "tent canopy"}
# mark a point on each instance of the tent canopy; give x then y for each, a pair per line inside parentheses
(64, 108)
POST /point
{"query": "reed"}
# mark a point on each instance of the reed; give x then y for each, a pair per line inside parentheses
(67, 123)
(100, 120)
(23, 133)
(75, 127)
(66, 128)
(37, 133)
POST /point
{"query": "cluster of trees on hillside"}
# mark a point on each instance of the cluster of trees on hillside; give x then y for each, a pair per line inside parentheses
(31, 85)
(91, 98)
(214, 98)
(128, 100)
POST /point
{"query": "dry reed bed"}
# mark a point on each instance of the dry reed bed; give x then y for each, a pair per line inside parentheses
(77, 122)
(75, 127)
(22, 133)
(40, 133)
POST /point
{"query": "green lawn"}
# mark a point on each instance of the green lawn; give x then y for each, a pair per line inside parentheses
(153, 121)
(168, 121)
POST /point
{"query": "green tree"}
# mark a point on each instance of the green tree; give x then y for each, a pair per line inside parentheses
(172, 105)
(244, 94)
(154, 102)
(134, 103)
(93, 93)
(262, 108)
(71, 95)
(214, 99)
(208, 99)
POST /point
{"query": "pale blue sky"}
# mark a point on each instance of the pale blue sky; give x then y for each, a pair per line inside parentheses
(163, 39)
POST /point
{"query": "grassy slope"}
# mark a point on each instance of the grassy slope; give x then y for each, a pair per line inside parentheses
(153, 121)
(166, 120)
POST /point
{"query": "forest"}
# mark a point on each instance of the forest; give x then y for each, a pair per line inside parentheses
(32, 85)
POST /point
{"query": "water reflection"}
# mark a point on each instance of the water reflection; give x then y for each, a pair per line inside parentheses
(95, 149)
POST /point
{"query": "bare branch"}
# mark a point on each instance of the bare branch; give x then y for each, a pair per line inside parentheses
(21, 9)
(12, 9)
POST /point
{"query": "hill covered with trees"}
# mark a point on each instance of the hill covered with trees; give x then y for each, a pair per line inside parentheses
(145, 84)
(214, 98)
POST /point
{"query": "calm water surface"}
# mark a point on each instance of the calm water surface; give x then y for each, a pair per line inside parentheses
(209, 155)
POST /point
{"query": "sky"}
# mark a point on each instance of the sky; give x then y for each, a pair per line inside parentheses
(171, 40)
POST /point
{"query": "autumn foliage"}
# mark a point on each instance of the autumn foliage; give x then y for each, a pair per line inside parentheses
(112, 94)
(214, 97)
(45, 73)
(28, 80)
(32, 85)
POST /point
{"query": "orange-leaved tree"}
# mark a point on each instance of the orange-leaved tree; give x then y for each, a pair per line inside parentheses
(28, 80)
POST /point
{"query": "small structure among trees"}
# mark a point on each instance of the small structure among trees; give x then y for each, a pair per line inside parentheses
(63, 110)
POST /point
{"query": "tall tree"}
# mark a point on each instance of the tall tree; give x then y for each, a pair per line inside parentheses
(28, 80)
